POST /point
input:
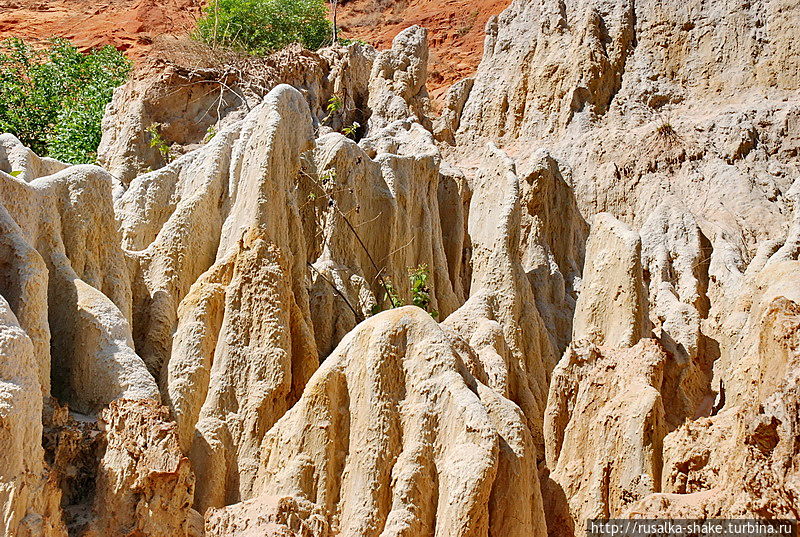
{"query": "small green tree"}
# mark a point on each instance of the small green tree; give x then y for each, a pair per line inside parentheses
(159, 143)
(264, 26)
(53, 99)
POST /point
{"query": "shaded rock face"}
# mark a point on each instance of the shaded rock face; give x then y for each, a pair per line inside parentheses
(67, 279)
(608, 327)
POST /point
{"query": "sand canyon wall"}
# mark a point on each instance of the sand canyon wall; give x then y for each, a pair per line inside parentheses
(609, 216)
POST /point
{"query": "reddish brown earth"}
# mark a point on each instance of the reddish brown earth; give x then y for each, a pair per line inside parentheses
(129, 25)
(456, 31)
(456, 26)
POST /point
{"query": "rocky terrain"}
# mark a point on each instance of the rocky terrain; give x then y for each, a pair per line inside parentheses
(609, 213)
(455, 32)
(149, 30)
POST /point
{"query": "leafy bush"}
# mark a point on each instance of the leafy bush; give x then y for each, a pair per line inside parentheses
(264, 26)
(53, 99)
(157, 141)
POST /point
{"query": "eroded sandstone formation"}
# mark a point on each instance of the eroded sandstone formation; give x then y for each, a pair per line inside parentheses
(607, 215)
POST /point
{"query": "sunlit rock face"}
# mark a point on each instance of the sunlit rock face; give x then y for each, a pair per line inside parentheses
(605, 220)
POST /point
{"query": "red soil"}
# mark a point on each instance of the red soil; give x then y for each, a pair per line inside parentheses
(455, 31)
(129, 25)
(456, 26)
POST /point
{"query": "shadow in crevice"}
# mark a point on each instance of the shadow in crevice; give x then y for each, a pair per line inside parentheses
(556, 508)
(553, 236)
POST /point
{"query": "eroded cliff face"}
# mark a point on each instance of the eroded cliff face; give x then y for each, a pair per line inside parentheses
(608, 214)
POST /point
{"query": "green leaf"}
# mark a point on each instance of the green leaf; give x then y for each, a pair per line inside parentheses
(264, 26)
(53, 99)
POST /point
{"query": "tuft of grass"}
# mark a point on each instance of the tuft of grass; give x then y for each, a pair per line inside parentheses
(666, 130)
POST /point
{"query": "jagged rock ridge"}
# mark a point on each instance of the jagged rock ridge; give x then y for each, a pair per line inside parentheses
(612, 238)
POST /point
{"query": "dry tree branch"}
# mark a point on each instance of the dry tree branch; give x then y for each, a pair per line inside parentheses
(358, 316)
(332, 203)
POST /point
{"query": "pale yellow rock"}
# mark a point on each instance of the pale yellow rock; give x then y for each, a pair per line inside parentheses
(604, 428)
(24, 287)
(611, 309)
(82, 300)
(397, 82)
(266, 516)
(675, 257)
(553, 236)
(24, 163)
(635, 123)
(233, 273)
(379, 219)
(171, 221)
(454, 196)
(747, 367)
(244, 345)
(192, 97)
(144, 483)
(393, 436)
(446, 125)
(500, 320)
(29, 499)
(738, 464)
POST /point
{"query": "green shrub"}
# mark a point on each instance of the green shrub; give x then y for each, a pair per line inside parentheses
(420, 290)
(53, 99)
(159, 143)
(264, 26)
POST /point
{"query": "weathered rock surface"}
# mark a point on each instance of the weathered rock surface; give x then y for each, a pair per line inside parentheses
(612, 307)
(500, 320)
(191, 97)
(248, 314)
(742, 461)
(352, 196)
(16, 158)
(604, 428)
(397, 81)
(393, 436)
(67, 280)
(144, 483)
(607, 214)
(30, 500)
